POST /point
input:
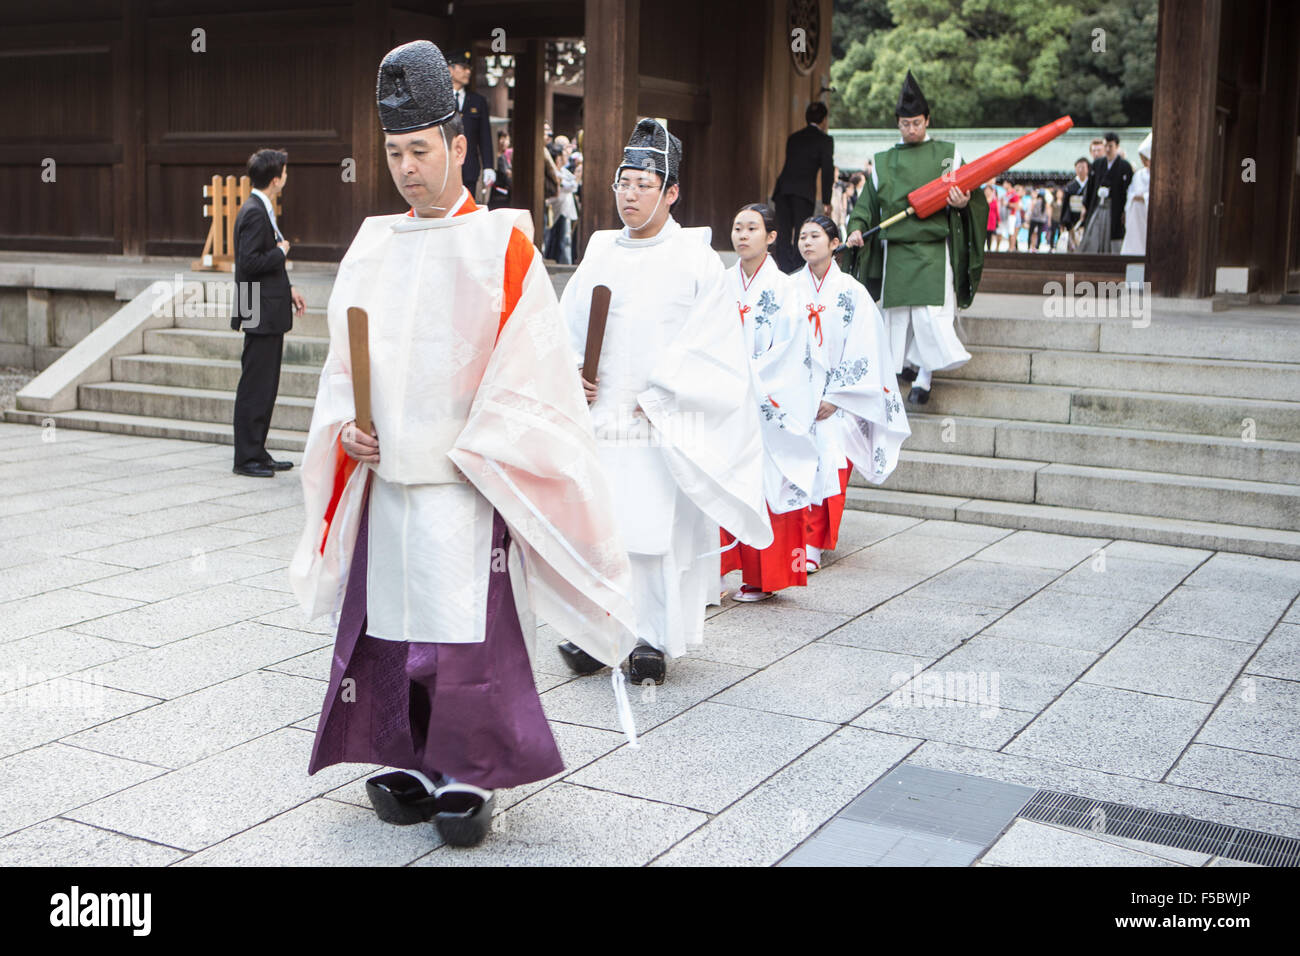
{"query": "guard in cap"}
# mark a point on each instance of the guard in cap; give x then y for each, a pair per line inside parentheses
(473, 108)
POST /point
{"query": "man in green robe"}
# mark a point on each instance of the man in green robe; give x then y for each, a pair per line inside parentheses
(924, 269)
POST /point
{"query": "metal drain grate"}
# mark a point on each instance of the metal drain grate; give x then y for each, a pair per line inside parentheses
(1165, 829)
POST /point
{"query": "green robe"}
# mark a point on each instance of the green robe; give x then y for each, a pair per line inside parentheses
(916, 245)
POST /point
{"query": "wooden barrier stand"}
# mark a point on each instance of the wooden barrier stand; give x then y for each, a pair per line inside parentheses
(226, 196)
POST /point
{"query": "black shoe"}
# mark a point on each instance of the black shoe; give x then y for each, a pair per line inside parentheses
(646, 663)
(579, 661)
(908, 374)
(278, 465)
(400, 798)
(463, 817)
(918, 396)
(255, 470)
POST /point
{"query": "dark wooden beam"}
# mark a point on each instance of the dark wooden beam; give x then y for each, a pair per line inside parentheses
(613, 29)
(1274, 238)
(526, 134)
(1182, 230)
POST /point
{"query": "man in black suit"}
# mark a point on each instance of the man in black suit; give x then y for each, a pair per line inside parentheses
(1071, 211)
(1104, 199)
(478, 125)
(264, 307)
(807, 152)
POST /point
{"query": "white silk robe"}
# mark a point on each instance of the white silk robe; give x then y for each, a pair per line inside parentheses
(694, 462)
(852, 351)
(477, 408)
(779, 342)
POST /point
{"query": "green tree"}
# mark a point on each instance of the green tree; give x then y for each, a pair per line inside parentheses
(996, 62)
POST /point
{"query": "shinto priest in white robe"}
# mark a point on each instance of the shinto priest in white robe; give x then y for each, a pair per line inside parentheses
(695, 462)
(477, 410)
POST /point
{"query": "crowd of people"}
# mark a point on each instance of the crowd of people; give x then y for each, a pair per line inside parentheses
(1042, 215)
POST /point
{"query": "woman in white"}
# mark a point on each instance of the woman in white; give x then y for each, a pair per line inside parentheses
(779, 344)
(860, 421)
(1135, 210)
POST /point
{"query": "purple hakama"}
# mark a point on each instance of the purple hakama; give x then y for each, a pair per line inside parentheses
(468, 711)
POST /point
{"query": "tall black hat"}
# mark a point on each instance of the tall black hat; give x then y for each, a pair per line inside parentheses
(414, 89)
(911, 101)
(652, 148)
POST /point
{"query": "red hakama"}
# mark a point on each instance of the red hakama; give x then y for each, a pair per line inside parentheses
(781, 564)
(824, 519)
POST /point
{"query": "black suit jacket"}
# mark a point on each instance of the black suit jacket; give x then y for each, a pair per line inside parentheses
(807, 152)
(478, 133)
(262, 290)
(1117, 178)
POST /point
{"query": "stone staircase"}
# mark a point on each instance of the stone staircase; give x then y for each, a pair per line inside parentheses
(183, 384)
(1081, 426)
(1186, 432)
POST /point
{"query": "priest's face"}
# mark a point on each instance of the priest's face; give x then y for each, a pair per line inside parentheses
(913, 128)
(637, 197)
(424, 172)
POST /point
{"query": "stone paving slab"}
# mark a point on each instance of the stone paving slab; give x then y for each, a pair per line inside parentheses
(706, 758)
(142, 571)
(68, 843)
(1223, 770)
(191, 663)
(186, 729)
(69, 776)
(916, 627)
(172, 619)
(1259, 714)
(1116, 731)
(827, 682)
(1170, 665)
(1279, 655)
(1030, 843)
(219, 796)
(599, 829)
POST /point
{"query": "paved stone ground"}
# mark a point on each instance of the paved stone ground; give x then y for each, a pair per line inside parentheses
(161, 687)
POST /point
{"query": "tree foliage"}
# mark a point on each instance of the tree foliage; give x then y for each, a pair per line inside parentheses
(996, 62)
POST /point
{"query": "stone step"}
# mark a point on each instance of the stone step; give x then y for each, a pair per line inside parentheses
(1036, 333)
(969, 476)
(1149, 411)
(227, 345)
(1257, 504)
(151, 427)
(1201, 455)
(1191, 414)
(953, 434)
(186, 404)
(1271, 381)
(993, 364)
(1209, 535)
(221, 374)
(312, 324)
(1105, 447)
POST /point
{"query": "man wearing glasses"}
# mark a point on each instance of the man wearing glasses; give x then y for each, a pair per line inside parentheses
(673, 404)
(927, 268)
